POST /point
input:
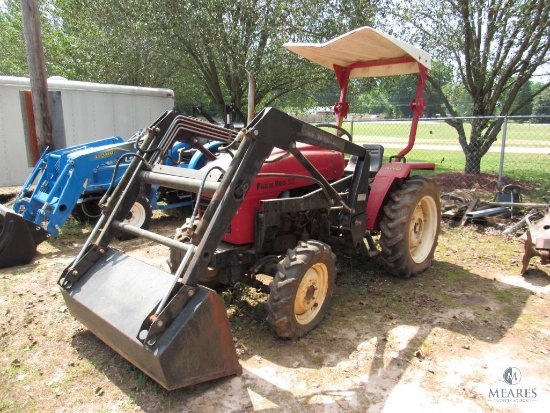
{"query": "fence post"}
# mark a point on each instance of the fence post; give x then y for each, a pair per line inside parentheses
(502, 150)
(351, 127)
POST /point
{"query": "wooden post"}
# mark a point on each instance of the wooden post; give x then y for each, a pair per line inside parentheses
(37, 74)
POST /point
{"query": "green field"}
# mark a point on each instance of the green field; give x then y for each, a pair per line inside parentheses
(528, 134)
(533, 168)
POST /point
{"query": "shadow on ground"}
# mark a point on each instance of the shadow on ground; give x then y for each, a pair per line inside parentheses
(354, 358)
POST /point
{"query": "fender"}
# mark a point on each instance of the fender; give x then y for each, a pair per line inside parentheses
(382, 185)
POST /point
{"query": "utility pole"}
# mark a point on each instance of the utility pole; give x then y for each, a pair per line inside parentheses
(37, 74)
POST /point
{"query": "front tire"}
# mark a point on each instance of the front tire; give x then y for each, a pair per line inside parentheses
(88, 210)
(139, 216)
(410, 227)
(301, 290)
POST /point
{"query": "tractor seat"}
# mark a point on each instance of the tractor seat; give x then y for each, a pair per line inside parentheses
(376, 156)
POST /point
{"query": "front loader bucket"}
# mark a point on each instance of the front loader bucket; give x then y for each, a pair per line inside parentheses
(18, 238)
(116, 295)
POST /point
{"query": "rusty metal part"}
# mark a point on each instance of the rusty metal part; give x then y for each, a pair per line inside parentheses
(540, 233)
(187, 129)
(456, 199)
(513, 228)
(471, 206)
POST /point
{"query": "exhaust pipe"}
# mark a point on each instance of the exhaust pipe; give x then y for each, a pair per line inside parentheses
(251, 97)
(18, 238)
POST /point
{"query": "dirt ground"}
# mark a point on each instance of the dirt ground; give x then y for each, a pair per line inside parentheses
(439, 342)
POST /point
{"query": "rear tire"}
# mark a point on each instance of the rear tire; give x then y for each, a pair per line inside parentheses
(301, 290)
(410, 227)
(139, 216)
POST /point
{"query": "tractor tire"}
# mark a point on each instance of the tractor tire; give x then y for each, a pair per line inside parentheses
(301, 289)
(86, 212)
(139, 216)
(410, 227)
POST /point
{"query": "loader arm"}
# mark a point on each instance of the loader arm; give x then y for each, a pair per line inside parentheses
(84, 172)
(270, 129)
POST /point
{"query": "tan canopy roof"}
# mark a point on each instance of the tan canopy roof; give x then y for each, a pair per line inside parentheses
(364, 45)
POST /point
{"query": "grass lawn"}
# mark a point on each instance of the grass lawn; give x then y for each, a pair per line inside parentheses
(517, 134)
(533, 169)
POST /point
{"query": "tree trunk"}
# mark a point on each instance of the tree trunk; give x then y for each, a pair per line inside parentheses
(482, 136)
(473, 162)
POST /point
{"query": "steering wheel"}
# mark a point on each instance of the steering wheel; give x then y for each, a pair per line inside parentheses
(338, 128)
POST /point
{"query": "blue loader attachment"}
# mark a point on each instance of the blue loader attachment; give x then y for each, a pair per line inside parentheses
(75, 181)
(62, 178)
(50, 193)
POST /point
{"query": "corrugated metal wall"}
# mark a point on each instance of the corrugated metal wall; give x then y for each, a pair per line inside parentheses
(81, 112)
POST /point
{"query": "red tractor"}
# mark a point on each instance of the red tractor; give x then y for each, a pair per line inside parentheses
(275, 202)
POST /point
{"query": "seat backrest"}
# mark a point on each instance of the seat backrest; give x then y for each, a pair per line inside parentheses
(376, 153)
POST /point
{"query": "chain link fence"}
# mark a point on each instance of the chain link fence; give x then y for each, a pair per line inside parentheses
(520, 155)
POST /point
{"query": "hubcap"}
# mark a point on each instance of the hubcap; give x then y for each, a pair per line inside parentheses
(311, 293)
(137, 215)
(422, 229)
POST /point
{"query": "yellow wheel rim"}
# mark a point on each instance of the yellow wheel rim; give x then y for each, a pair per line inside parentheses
(311, 293)
(423, 228)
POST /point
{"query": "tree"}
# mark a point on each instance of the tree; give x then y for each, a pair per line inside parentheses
(98, 41)
(200, 48)
(525, 94)
(541, 107)
(495, 47)
(13, 57)
(227, 39)
(89, 41)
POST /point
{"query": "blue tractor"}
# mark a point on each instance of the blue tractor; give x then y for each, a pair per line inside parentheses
(78, 181)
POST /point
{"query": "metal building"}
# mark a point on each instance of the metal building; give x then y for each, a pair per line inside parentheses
(81, 112)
